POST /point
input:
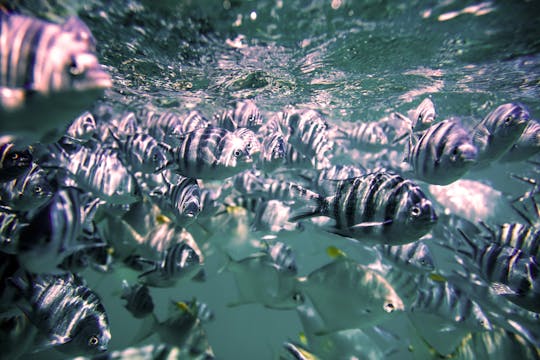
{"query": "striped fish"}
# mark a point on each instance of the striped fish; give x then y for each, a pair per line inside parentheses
(380, 206)
(245, 114)
(272, 152)
(56, 65)
(308, 133)
(423, 116)
(10, 227)
(282, 255)
(499, 130)
(180, 201)
(366, 136)
(253, 146)
(54, 232)
(211, 153)
(179, 261)
(520, 236)
(141, 152)
(414, 257)
(13, 162)
(168, 126)
(325, 183)
(29, 191)
(82, 128)
(65, 311)
(511, 272)
(526, 146)
(138, 299)
(443, 154)
(447, 301)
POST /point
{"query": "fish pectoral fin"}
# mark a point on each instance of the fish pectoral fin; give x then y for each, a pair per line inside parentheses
(371, 224)
(502, 289)
(56, 340)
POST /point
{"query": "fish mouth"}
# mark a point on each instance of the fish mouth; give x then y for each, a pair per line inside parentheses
(95, 78)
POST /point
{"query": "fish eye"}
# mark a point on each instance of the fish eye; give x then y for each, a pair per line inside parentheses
(455, 151)
(14, 156)
(508, 120)
(237, 153)
(389, 307)
(248, 146)
(416, 211)
(93, 341)
(38, 189)
(420, 117)
(298, 298)
(74, 69)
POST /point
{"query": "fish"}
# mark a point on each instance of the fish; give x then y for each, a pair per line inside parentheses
(210, 153)
(47, 69)
(138, 299)
(246, 114)
(29, 191)
(13, 161)
(498, 131)
(177, 262)
(382, 207)
(272, 152)
(54, 232)
(524, 237)
(82, 128)
(447, 301)
(443, 154)
(511, 272)
(325, 183)
(253, 146)
(364, 136)
(66, 311)
(141, 152)
(414, 257)
(526, 146)
(10, 227)
(423, 116)
(348, 295)
(260, 279)
(181, 201)
(17, 335)
(298, 352)
(282, 255)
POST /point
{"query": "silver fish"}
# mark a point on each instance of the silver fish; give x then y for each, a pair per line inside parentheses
(443, 154)
(211, 153)
(380, 206)
(423, 116)
(41, 65)
(272, 152)
(366, 136)
(325, 183)
(68, 313)
(10, 227)
(245, 114)
(13, 161)
(520, 236)
(138, 299)
(526, 146)
(348, 295)
(499, 130)
(414, 257)
(82, 129)
(141, 152)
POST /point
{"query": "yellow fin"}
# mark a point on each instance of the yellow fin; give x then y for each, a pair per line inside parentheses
(162, 219)
(303, 338)
(334, 252)
(234, 209)
(437, 277)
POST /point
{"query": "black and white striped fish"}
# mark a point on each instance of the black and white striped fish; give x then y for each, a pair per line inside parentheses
(423, 116)
(511, 272)
(211, 153)
(29, 191)
(447, 301)
(325, 183)
(168, 126)
(53, 233)
(253, 146)
(179, 261)
(138, 299)
(82, 129)
(66, 312)
(10, 227)
(443, 154)
(365, 136)
(41, 66)
(380, 206)
(273, 152)
(308, 133)
(414, 257)
(245, 114)
(13, 162)
(524, 237)
(526, 146)
(499, 130)
(141, 152)
(282, 255)
(180, 201)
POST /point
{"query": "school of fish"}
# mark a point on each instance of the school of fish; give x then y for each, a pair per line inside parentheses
(92, 186)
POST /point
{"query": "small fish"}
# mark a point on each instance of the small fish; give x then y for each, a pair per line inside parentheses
(54, 232)
(273, 152)
(272, 216)
(499, 130)
(29, 191)
(423, 116)
(47, 69)
(141, 152)
(348, 295)
(178, 262)
(211, 153)
(298, 352)
(526, 146)
(246, 114)
(520, 236)
(365, 136)
(282, 255)
(443, 154)
(253, 146)
(260, 279)
(414, 257)
(69, 314)
(138, 299)
(13, 162)
(10, 227)
(450, 303)
(325, 183)
(82, 129)
(380, 206)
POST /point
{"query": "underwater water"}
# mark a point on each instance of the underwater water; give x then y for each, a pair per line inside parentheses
(352, 61)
